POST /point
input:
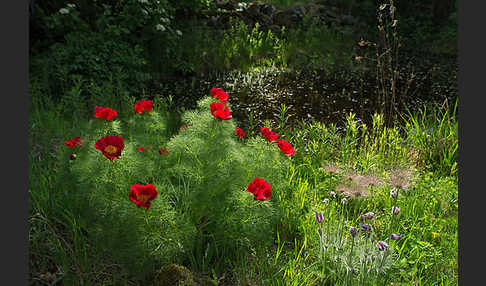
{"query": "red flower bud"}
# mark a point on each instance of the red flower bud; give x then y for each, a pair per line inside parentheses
(220, 110)
(74, 142)
(285, 147)
(142, 105)
(220, 94)
(260, 189)
(104, 112)
(239, 132)
(271, 136)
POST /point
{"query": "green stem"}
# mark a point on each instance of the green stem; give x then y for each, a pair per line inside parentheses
(394, 202)
(351, 257)
(341, 227)
(327, 224)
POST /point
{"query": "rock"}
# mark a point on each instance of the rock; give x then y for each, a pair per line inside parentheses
(225, 5)
(254, 14)
(270, 17)
(313, 10)
(298, 13)
(177, 275)
(223, 20)
(260, 13)
(268, 9)
(253, 9)
(284, 18)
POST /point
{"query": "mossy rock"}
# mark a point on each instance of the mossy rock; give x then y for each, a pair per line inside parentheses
(177, 275)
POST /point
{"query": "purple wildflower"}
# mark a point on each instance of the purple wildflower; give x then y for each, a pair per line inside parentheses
(366, 227)
(368, 215)
(382, 246)
(395, 236)
(395, 210)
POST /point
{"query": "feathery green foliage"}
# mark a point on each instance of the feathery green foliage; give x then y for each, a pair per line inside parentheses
(216, 168)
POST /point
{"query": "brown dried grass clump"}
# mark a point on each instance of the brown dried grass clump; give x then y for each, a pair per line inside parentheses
(400, 178)
(332, 169)
(352, 190)
(358, 185)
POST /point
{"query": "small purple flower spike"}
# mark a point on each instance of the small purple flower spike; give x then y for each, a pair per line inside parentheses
(368, 215)
(395, 236)
(319, 217)
(382, 246)
(395, 210)
(366, 227)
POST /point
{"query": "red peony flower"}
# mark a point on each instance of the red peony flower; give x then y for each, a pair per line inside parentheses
(163, 150)
(74, 142)
(260, 189)
(104, 112)
(142, 105)
(142, 149)
(239, 132)
(141, 195)
(285, 147)
(267, 133)
(220, 110)
(220, 94)
(183, 127)
(110, 146)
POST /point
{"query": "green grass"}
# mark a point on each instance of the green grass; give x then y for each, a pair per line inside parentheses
(77, 211)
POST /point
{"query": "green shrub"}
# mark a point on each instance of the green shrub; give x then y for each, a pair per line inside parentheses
(202, 214)
(216, 168)
(315, 45)
(128, 40)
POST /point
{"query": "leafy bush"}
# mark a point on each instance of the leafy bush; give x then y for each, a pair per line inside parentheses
(125, 39)
(91, 56)
(205, 50)
(215, 170)
(202, 213)
(316, 45)
(136, 238)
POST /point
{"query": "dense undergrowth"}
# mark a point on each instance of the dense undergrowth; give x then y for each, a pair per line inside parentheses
(142, 44)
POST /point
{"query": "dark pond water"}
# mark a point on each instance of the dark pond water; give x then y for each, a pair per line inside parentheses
(315, 95)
